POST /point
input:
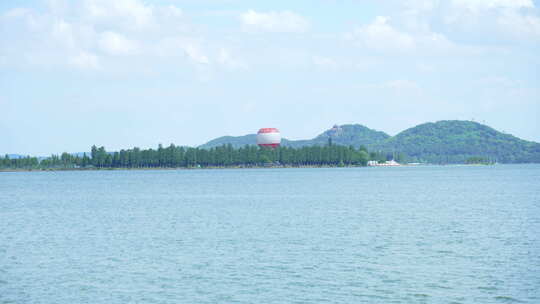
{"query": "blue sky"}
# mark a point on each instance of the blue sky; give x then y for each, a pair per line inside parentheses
(138, 73)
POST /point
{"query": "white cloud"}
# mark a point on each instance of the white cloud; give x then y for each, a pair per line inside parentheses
(499, 82)
(451, 27)
(476, 5)
(502, 24)
(429, 5)
(63, 33)
(227, 60)
(128, 13)
(84, 60)
(162, 34)
(175, 47)
(325, 62)
(17, 12)
(116, 44)
(71, 33)
(283, 21)
(193, 52)
(419, 5)
(426, 68)
(400, 85)
(394, 91)
(379, 35)
(171, 11)
(396, 85)
(522, 27)
(474, 21)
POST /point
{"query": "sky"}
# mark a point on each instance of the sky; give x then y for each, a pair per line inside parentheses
(129, 73)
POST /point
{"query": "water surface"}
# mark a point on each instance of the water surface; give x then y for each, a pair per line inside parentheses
(468, 234)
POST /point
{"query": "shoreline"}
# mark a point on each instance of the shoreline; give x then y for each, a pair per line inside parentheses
(170, 169)
(230, 167)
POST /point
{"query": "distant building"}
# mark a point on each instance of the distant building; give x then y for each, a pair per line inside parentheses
(335, 131)
(372, 163)
(390, 163)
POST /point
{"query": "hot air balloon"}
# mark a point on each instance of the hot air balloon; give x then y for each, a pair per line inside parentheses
(268, 137)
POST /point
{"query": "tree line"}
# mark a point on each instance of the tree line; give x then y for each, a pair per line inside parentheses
(188, 157)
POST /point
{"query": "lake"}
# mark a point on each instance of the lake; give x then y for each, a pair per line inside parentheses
(426, 234)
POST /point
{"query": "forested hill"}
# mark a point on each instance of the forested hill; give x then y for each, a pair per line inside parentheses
(455, 141)
(448, 141)
(235, 141)
(445, 142)
(345, 135)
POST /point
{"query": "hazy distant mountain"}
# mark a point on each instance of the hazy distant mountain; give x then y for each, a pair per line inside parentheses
(453, 141)
(81, 154)
(14, 156)
(17, 156)
(346, 135)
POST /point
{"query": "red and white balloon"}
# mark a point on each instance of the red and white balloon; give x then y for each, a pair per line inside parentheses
(268, 137)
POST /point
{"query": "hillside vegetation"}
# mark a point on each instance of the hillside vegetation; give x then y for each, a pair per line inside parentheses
(454, 141)
(344, 135)
(449, 141)
(444, 142)
(234, 141)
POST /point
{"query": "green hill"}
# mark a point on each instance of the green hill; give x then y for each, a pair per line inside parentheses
(448, 141)
(454, 141)
(346, 135)
(235, 141)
